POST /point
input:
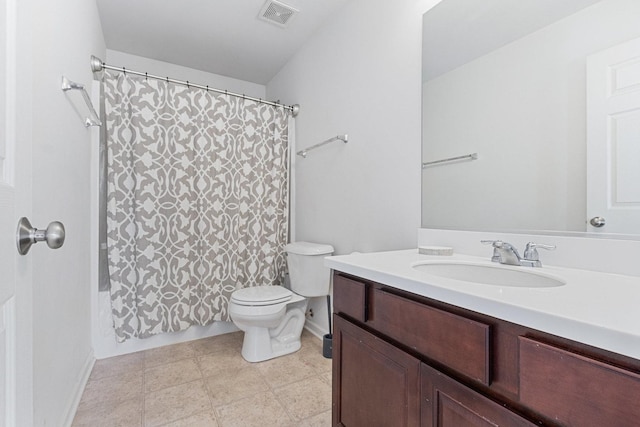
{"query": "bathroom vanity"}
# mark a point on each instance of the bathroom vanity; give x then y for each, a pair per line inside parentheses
(412, 349)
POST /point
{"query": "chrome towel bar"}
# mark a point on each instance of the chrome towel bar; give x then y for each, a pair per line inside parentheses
(472, 156)
(344, 138)
(93, 119)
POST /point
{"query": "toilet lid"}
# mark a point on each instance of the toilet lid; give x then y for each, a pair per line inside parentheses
(261, 295)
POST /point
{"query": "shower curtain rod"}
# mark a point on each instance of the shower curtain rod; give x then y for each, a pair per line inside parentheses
(98, 65)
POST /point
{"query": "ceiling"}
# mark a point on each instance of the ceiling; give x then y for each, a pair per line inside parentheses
(458, 31)
(219, 36)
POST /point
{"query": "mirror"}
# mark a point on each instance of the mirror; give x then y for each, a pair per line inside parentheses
(507, 80)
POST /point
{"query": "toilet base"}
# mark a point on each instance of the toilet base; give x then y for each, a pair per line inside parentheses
(262, 343)
(259, 346)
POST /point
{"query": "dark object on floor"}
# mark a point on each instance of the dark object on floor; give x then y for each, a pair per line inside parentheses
(327, 345)
(327, 340)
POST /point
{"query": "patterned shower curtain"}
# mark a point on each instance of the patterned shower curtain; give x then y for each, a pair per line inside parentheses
(197, 202)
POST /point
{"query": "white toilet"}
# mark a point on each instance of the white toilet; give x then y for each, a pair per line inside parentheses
(272, 317)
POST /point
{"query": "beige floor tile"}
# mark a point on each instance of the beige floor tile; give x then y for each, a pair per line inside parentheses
(320, 420)
(228, 341)
(115, 414)
(118, 365)
(174, 403)
(284, 370)
(307, 336)
(113, 388)
(245, 394)
(203, 419)
(235, 384)
(226, 359)
(305, 398)
(170, 374)
(311, 354)
(311, 340)
(327, 377)
(258, 411)
(168, 354)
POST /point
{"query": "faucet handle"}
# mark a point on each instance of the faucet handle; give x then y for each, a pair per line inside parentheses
(531, 250)
(496, 244)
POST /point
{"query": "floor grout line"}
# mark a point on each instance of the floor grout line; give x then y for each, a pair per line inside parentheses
(202, 378)
(196, 352)
(144, 390)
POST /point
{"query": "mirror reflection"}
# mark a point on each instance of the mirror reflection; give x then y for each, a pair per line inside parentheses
(530, 86)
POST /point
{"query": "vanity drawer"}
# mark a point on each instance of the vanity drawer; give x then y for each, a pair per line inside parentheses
(457, 342)
(575, 390)
(349, 297)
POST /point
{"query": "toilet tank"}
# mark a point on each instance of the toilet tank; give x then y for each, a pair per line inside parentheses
(307, 273)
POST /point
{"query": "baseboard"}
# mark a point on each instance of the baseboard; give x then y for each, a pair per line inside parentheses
(85, 372)
(314, 328)
(105, 346)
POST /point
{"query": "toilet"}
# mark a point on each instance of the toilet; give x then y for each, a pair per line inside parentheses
(272, 317)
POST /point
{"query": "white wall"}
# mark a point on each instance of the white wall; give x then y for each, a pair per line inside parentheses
(524, 103)
(360, 75)
(161, 68)
(63, 36)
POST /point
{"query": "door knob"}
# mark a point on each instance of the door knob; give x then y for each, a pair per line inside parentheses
(28, 235)
(597, 221)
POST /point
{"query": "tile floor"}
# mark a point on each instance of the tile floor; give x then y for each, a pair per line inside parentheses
(207, 383)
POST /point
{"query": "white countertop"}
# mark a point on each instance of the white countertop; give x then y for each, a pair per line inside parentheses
(599, 309)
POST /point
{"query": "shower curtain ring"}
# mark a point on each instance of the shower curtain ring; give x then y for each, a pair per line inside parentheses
(146, 77)
(124, 71)
(188, 85)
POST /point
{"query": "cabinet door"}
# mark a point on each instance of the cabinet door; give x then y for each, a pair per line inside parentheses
(374, 383)
(447, 403)
(575, 390)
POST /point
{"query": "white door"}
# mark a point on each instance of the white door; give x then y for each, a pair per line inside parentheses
(15, 353)
(613, 139)
(7, 215)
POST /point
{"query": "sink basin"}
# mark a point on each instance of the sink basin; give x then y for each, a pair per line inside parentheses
(490, 274)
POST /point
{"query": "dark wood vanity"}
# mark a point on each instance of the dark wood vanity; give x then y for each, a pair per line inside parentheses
(401, 359)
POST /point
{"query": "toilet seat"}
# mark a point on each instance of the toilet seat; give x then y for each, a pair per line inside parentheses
(261, 295)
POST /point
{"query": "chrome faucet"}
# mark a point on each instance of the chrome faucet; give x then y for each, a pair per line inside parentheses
(506, 253)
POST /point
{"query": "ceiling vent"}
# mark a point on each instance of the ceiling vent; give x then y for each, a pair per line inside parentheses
(277, 13)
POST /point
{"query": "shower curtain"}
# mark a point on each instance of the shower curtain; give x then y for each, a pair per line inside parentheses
(197, 203)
